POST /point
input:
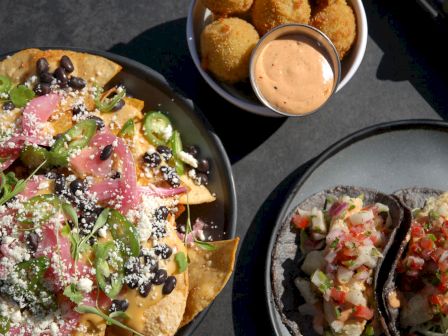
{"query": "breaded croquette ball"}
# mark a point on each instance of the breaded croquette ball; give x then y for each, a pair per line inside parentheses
(337, 21)
(226, 46)
(228, 7)
(268, 14)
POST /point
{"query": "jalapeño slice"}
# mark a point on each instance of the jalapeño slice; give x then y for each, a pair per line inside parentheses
(154, 126)
(76, 137)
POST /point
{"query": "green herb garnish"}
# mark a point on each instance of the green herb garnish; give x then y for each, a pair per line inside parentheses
(334, 243)
(83, 309)
(11, 187)
(21, 95)
(128, 129)
(73, 294)
(181, 261)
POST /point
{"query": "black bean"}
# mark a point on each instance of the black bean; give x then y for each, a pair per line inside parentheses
(132, 266)
(32, 241)
(163, 250)
(118, 106)
(161, 213)
(78, 109)
(116, 175)
(192, 150)
(119, 305)
(92, 240)
(42, 89)
(77, 185)
(169, 285)
(67, 64)
(42, 65)
(76, 83)
(8, 106)
(203, 166)
(60, 75)
(59, 184)
(152, 159)
(170, 175)
(46, 77)
(159, 277)
(99, 122)
(165, 151)
(203, 178)
(131, 282)
(106, 152)
(144, 289)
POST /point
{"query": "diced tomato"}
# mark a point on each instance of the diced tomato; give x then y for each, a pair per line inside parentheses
(417, 231)
(337, 295)
(443, 266)
(427, 243)
(301, 222)
(362, 312)
(436, 300)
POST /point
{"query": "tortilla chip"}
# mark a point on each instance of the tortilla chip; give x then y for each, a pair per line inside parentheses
(20, 66)
(209, 272)
(91, 325)
(94, 69)
(197, 194)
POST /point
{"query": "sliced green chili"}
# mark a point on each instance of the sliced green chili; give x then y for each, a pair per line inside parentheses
(124, 231)
(154, 126)
(34, 156)
(128, 129)
(175, 143)
(75, 138)
(39, 209)
(108, 104)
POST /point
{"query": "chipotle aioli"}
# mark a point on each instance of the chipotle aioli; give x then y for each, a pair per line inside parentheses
(293, 76)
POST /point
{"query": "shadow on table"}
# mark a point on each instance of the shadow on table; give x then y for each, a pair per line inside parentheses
(164, 48)
(250, 313)
(413, 46)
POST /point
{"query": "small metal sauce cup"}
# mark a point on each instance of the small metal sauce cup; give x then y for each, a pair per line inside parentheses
(321, 42)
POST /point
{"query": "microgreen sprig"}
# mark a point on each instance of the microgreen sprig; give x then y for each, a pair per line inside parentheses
(8, 190)
(188, 230)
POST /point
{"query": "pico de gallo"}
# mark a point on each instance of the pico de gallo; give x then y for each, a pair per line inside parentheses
(423, 272)
(342, 244)
(89, 195)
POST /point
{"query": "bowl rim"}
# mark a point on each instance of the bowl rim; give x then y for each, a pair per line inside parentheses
(260, 109)
(146, 72)
(261, 44)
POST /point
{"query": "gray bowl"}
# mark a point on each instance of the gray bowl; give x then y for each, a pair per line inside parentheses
(241, 95)
(150, 86)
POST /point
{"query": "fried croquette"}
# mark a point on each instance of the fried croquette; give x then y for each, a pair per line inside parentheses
(268, 14)
(228, 7)
(338, 22)
(226, 46)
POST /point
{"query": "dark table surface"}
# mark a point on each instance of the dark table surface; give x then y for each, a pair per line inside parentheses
(403, 75)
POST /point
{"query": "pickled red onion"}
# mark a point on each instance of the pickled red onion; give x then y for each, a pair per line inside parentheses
(337, 208)
(162, 192)
(127, 185)
(38, 111)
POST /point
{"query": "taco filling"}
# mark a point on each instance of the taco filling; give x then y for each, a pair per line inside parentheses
(342, 245)
(90, 190)
(422, 273)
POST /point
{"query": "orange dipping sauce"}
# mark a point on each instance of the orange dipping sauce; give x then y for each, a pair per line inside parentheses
(293, 75)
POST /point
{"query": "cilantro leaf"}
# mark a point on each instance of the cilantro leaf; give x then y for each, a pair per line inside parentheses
(73, 294)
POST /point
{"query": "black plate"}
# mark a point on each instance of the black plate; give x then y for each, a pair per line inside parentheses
(386, 157)
(146, 84)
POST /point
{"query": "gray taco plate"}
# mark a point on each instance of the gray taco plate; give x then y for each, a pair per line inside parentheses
(386, 157)
(150, 86)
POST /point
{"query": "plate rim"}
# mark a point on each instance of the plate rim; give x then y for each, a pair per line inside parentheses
(336, 147)
(194, 111)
